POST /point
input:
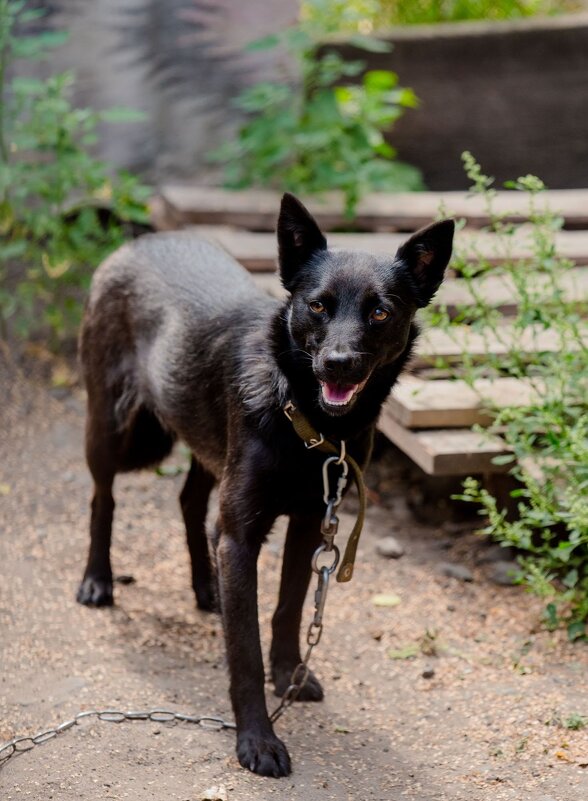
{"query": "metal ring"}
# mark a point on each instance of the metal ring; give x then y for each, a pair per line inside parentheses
(211, 722)
(162, 716)
(111, 716)
(330, 568)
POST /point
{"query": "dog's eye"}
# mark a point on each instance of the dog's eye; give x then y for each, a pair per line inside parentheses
(379, 315)
(317, 307)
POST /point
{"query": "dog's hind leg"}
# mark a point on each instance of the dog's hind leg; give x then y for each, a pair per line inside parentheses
(96, 586)
(194, 503)
(302, 539)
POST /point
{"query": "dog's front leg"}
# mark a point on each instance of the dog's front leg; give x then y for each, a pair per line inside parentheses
(241, 535)
(302, 539)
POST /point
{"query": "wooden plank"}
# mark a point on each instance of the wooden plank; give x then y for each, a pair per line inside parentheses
(498, 291)
(259, 251)
(258, 208)
(443, 403)
(436, 343)
(445, 452)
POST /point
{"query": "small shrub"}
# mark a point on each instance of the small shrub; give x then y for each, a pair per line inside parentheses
(53, 191)
(548, 436)
(320, 132)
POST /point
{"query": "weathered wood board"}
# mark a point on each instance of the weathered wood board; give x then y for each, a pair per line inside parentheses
(257, 209)
(445, 452)
(496, 290)
(259, 251)
(441, 403)
(436, 343)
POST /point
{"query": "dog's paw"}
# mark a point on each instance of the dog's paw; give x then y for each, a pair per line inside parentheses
(94, 591)
(311, 690)
(264, 754)
(206, 599)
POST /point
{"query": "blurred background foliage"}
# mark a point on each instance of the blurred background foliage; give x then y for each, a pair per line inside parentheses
(369, 15)
(323, 129)
(61, 209)
(319, 124)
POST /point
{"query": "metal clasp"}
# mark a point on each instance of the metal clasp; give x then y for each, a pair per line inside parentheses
(288, 409)
(341, 482)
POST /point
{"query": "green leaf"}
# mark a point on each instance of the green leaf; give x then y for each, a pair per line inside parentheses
(380, 79)
(551, 618)
(576, 630)
(407, 652)
(370, 43)
(503, 458)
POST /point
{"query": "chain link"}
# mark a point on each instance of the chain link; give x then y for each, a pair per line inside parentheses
(20, 744)
(329, 526)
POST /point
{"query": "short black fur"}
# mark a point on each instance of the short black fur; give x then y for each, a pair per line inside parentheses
(178, 343)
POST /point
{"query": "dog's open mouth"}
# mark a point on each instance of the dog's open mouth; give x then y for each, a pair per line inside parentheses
(340, 395)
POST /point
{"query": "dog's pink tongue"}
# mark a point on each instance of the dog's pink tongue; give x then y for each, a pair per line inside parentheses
(339, 395)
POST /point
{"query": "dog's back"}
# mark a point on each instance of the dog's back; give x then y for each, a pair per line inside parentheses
(163, 312)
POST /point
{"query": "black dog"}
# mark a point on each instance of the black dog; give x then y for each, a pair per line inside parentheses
(177, 341)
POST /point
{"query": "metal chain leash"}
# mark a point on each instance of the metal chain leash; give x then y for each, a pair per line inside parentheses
(20, 744)
(329, 527)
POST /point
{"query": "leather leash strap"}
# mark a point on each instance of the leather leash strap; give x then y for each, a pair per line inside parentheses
(316, 441)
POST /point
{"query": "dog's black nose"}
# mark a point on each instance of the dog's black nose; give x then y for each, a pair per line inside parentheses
(337, 364)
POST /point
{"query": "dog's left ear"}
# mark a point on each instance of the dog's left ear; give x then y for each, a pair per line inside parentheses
(299, 238)
(426, 255)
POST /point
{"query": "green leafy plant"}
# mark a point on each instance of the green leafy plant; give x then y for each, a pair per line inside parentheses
(409, 12)
(320, 131)
(548, 434)
(60, 210)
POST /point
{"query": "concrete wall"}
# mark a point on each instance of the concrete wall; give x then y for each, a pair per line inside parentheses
(515, 94)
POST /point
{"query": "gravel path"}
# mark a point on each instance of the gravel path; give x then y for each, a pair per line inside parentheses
(451, 692)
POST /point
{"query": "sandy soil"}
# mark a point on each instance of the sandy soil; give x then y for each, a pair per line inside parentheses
(488, 723)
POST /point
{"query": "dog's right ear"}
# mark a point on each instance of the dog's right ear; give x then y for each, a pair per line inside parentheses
(299, 238)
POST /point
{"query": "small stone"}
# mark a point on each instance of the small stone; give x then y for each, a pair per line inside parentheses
(390, 548)
(495, 553)
(459, 572)
(216, 793)
(428, 673)
(124, 579)
(60, 393)
(503, 572)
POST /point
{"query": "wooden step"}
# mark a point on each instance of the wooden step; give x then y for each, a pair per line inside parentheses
(497, 291)
(259, 251)
(445, 452)
(177, 205)
(442, 403)
(437, 344)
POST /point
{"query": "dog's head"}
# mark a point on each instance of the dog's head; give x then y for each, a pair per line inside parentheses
(351, 312)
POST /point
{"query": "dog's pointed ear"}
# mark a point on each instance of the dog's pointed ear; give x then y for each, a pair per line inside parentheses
(426, 255)
(299, 238)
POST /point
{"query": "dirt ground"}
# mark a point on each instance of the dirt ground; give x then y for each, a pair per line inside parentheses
(487, 723)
